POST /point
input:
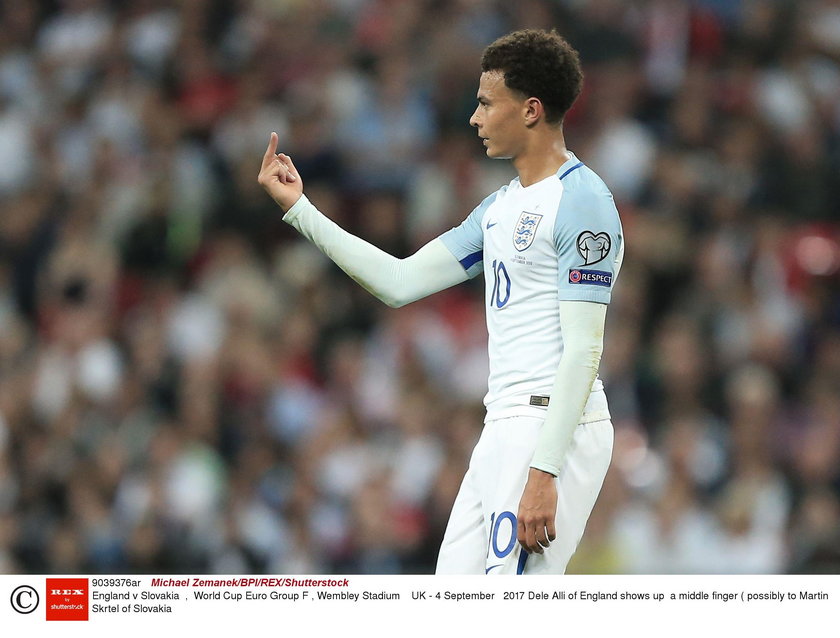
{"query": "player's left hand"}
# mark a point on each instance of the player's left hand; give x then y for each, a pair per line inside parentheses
(537, 508)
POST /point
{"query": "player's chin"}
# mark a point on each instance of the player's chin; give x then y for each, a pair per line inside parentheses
(494, 152)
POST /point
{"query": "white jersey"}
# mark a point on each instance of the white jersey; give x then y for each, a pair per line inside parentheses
(557, 240)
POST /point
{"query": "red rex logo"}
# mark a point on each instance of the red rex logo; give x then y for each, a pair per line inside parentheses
(67, 599)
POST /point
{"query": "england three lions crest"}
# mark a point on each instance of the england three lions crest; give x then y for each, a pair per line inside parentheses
(525, 230)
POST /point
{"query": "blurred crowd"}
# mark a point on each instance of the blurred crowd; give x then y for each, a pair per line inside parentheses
(186, 386)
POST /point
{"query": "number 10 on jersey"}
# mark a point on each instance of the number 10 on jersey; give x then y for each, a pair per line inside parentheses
(499, 273)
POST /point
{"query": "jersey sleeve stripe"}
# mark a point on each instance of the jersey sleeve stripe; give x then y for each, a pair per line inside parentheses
(471, 260)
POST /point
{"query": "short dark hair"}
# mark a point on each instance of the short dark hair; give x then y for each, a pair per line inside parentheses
(539, 64)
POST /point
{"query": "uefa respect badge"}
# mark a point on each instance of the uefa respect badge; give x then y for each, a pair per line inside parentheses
(591, 277)
(67, 599)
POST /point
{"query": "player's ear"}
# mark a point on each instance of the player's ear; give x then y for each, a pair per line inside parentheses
(533, 111)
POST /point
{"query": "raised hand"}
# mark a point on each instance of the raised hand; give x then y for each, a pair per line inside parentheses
(279, 177)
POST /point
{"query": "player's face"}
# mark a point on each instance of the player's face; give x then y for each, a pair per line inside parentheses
(499, 116)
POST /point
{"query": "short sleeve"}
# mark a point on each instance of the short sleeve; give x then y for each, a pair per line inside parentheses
(466, 242)
(589, 240)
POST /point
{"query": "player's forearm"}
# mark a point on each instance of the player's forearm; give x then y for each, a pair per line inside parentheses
(395, 281)
(582, 325)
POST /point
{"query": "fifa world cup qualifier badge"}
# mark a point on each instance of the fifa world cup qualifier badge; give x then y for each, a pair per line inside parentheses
(593, 247)
(525, 230)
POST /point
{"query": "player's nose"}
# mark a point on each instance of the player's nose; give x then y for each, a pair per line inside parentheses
(474, 119)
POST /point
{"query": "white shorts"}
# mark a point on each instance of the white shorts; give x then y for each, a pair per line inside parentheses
(481, 535)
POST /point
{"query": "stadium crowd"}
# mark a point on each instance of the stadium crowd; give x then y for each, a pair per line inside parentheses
(187, 386)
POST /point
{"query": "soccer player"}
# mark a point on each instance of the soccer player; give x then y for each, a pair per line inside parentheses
(550, 245)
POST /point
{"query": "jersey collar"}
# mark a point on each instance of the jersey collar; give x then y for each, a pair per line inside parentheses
(573, 163)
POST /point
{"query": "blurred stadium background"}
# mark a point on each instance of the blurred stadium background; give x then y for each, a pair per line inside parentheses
(185, 386)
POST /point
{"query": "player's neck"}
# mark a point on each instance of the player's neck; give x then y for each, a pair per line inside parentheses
(542, 157)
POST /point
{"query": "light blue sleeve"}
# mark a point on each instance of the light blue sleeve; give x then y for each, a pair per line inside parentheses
(588, 238)
(466, 241)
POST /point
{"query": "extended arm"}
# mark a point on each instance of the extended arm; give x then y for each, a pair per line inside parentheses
(395, 281)
(582, 326)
